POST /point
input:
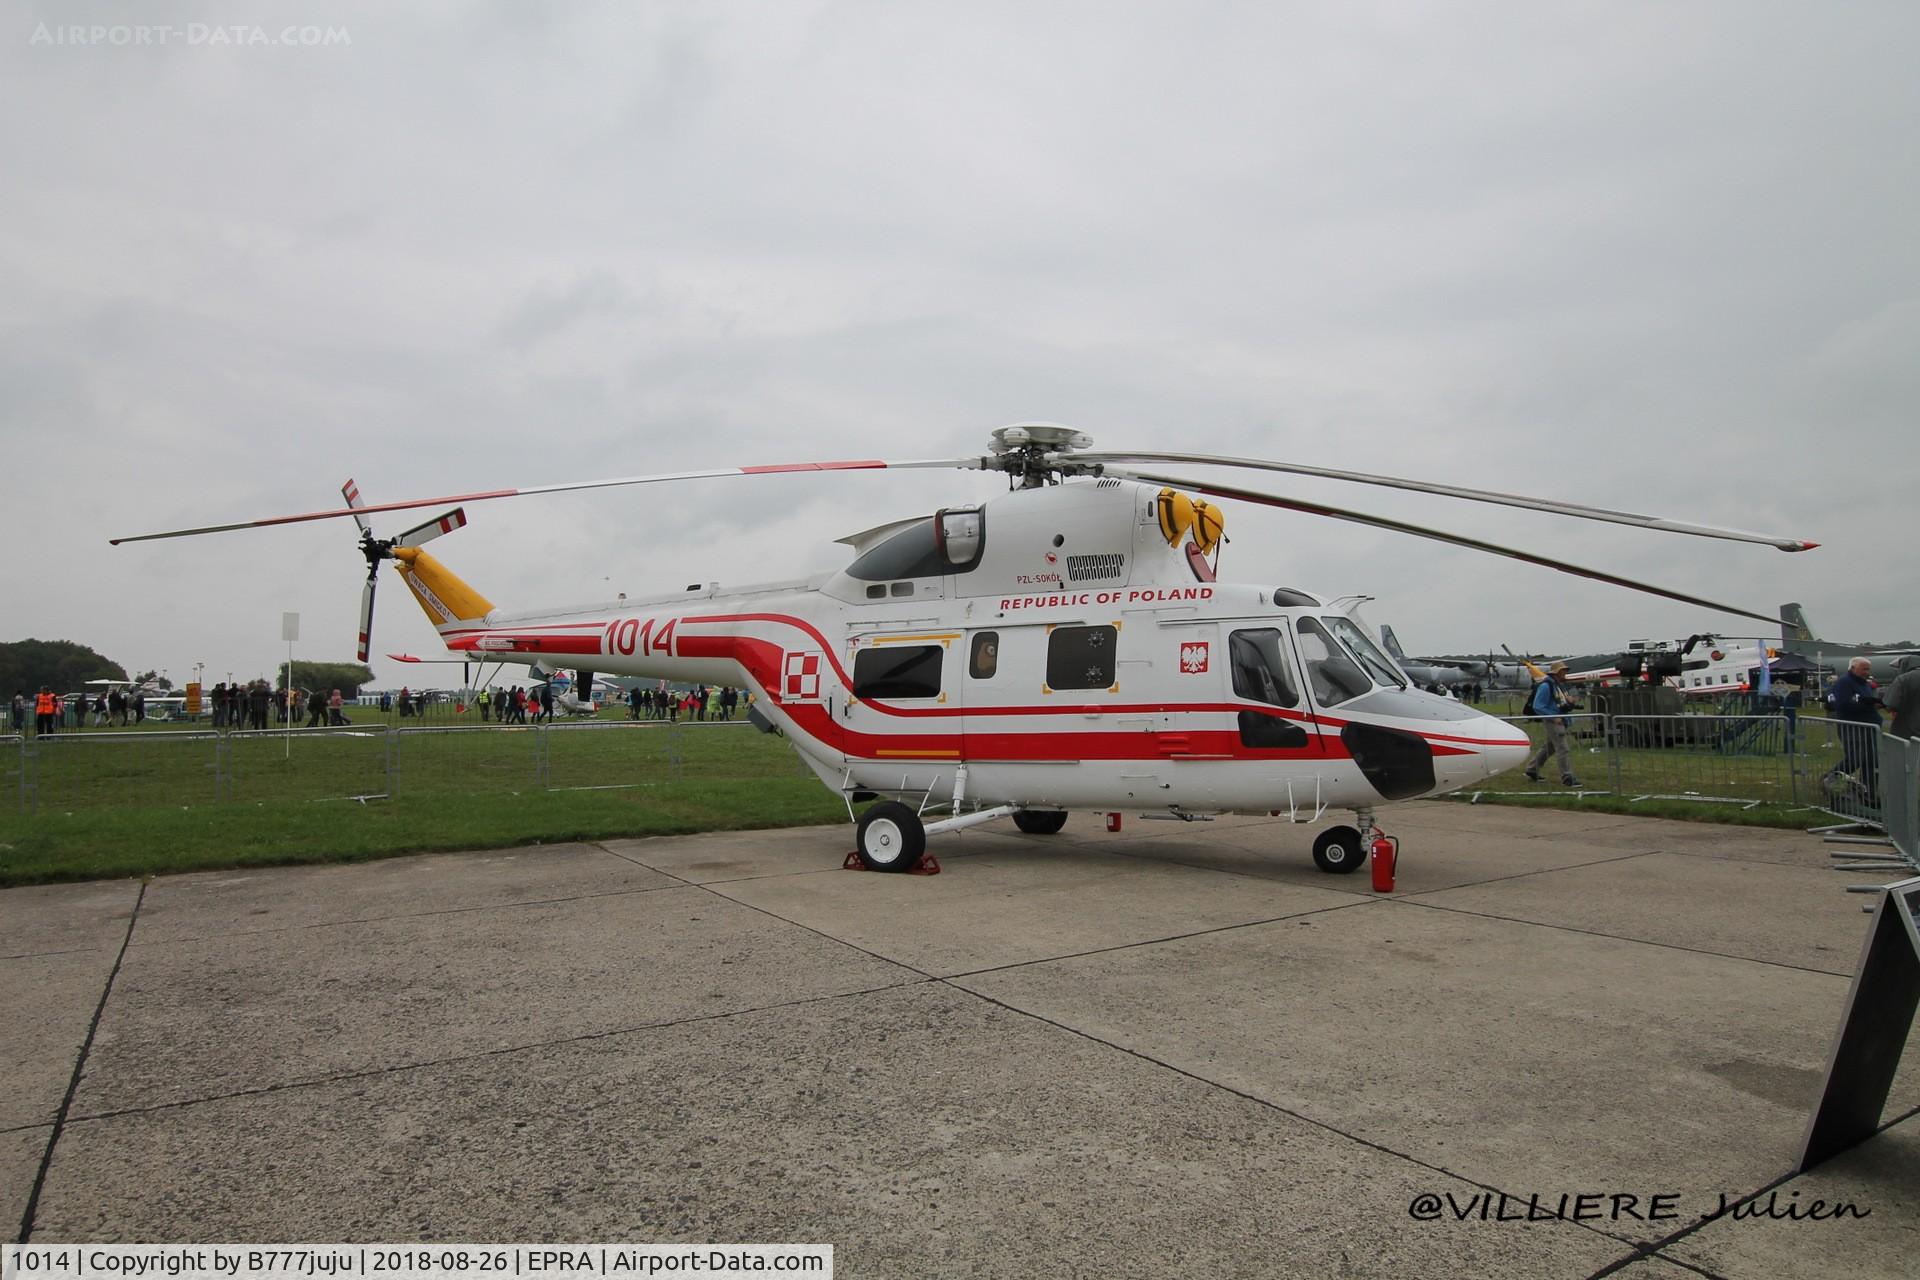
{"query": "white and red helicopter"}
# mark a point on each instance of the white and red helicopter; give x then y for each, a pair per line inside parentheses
(1063, 646)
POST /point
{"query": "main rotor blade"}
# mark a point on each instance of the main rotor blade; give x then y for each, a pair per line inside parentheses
(361, 510)
(1436, 535)
(1549, 505)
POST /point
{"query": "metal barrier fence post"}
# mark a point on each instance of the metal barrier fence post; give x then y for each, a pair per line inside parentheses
(393, 762)
(542, 754)
(1612, 739)
(1900, 793)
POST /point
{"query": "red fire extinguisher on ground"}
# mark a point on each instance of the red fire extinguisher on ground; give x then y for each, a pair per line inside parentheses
(1385, 852)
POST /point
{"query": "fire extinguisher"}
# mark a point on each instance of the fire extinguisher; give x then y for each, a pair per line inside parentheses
(1385, 852)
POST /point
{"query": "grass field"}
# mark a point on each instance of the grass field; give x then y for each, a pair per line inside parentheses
(159, 800)
(185, 801)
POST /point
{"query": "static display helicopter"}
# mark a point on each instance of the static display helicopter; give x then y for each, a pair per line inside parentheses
(1064, 646)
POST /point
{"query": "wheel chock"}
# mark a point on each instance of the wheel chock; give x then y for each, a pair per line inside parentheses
(927, 866)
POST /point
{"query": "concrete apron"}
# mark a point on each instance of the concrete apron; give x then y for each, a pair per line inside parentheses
(1177, 1046)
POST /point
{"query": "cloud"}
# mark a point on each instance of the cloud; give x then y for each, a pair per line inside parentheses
(1649, 258)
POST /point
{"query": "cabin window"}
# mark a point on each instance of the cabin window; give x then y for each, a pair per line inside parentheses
(1081, 657)
(983, 658)
(898, 671)
(1259, 669)
(1260, 674)
(899, 589)
(1333, 676)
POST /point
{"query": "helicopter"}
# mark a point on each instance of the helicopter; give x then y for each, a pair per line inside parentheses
(1067, 645)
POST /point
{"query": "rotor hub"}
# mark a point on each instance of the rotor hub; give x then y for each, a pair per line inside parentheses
(1035, 453)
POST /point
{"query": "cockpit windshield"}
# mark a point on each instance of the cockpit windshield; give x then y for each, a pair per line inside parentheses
(1378, 665)
(1334, 676)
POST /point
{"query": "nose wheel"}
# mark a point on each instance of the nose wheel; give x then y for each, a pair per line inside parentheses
(1339, 850)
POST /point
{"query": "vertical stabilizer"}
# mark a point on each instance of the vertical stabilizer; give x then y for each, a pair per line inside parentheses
(1393, 644)
(441, 593)
(1793, 625)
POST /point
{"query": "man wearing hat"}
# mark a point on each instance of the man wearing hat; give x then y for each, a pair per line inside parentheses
(1550, 701)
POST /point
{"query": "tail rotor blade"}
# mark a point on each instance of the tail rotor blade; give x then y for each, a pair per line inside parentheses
(366, 613)
(351, 492)
(421, 534)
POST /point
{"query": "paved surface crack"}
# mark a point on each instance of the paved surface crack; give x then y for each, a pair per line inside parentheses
(1622, 937)
(73, 1082)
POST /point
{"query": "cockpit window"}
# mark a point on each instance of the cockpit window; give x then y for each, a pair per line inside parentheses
(1334, 676)
(1378, 665)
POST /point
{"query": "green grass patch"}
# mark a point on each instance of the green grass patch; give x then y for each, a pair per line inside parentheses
(158, 804)
(101, 843)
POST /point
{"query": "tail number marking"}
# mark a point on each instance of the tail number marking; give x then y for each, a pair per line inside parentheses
(628, 636)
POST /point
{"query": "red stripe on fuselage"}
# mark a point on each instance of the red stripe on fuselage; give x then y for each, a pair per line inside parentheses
(762, 660)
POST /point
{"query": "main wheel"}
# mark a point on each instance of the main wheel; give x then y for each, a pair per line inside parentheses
(1040, 822)
(891, 837)
(1337, 849)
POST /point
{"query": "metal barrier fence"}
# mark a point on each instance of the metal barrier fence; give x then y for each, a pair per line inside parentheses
(1808, 761)
(65, 771)
(1843, 769)
(1900, 782)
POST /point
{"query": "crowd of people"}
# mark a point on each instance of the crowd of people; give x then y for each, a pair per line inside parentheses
(49, 712)
(672, 704)
(256, 704)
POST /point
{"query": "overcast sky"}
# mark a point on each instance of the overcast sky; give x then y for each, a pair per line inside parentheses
(1660, 256)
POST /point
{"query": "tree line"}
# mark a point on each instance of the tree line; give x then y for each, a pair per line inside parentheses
(65, 667)
(61, 665)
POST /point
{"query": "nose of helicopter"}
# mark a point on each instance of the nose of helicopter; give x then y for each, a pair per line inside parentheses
(1488, 745)
(1473, 747)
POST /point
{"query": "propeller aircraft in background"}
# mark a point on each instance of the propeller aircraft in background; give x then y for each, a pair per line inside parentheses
(1065, 645)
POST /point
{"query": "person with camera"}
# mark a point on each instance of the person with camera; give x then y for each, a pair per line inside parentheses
(1554, 702)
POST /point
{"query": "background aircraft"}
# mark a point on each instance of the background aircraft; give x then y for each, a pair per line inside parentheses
(1797, 637)
(1425, 672)
(1452, 670)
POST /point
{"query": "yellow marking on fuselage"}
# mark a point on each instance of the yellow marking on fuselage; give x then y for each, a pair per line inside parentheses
(918, 755)
(942, 637)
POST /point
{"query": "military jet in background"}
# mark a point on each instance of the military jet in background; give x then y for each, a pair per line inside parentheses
(1428, 673)
(1451, 671)
(1797, 637)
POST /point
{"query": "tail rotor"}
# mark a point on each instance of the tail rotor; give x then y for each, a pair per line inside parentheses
(377, 549)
